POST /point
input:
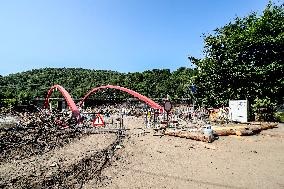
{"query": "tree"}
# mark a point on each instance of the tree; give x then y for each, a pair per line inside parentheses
(156, 83)
(244, 60)
(182, 80)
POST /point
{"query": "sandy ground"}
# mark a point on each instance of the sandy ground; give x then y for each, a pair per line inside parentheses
(148, 161)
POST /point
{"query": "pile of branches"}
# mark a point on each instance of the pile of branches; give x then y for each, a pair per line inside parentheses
(36, 133)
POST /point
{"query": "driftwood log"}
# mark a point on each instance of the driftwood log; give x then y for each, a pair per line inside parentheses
(243, 129)
(199, 136)
(234, 129)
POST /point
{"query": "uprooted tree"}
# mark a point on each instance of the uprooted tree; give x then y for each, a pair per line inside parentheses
(244, 60)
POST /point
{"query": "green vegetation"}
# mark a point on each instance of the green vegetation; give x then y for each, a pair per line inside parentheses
(244, 60)
(157, 83)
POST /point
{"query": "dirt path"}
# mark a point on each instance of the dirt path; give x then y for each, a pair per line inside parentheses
(148, 161)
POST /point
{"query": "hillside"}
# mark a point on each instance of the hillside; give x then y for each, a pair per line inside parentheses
(155, 83)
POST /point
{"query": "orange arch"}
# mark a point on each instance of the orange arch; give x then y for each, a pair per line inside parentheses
(139, 96)
(70, 101)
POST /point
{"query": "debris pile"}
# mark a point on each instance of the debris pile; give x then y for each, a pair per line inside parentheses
(60, 175)
(35, 133)
(125, 109)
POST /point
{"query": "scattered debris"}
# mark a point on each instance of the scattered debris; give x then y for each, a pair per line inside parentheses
(37, 133)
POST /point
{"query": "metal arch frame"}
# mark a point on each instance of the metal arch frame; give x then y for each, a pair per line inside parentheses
(139, 96)
(68, 98)
(75, 109)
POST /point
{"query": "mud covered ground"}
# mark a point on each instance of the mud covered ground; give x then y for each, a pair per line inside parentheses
(39, 154)
(23, 142)
(148, 161)
(141, 159)
(67, 167)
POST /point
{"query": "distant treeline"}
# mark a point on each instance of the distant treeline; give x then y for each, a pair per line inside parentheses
(156, 83)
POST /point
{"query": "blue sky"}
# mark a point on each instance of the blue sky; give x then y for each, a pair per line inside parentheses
(120, 35)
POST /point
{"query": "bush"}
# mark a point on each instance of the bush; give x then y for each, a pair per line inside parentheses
(279, 114)
(264, 109)
(8, 103)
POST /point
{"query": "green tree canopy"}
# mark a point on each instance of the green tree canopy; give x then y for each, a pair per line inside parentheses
(156, 83)
(244, 60)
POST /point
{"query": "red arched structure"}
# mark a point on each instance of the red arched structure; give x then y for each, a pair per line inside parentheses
(70, 102)
(141, 97)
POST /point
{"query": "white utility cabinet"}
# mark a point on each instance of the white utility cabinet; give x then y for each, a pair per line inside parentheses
(239, 110)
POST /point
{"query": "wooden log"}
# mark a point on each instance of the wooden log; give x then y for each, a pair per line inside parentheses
(244, 132)
(267, 125)
(243, 129)
(170, 132)
(183, 134)
(255, 128)
(199, 136)
(177, 133)
(273, 125)
(225, 132)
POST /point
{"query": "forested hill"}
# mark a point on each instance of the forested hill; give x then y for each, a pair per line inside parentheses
(157, 83)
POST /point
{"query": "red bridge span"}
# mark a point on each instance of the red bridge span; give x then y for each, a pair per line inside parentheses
(75, 109)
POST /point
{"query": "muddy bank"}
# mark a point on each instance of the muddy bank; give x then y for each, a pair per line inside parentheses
(67, 167)
(22, 142)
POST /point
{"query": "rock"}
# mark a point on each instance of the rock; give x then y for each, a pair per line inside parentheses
(54, 164)
(212, 147)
